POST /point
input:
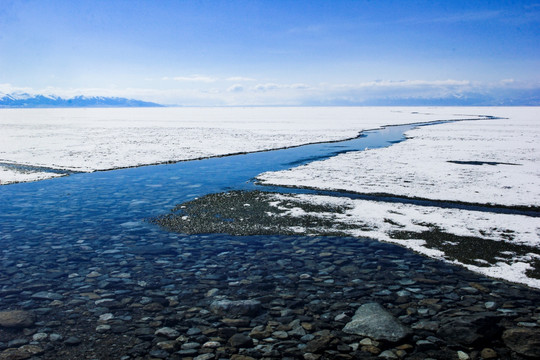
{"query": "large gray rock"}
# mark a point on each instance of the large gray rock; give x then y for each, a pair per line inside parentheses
(235, 308)
(22, 353)
(16, 318)
(523, 341)
(374, 321)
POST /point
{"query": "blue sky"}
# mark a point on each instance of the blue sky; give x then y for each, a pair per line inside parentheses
(271, 52)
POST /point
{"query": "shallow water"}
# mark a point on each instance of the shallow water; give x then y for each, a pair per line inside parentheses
(113, 203)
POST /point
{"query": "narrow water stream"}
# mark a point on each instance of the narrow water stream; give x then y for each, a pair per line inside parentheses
(115, 202)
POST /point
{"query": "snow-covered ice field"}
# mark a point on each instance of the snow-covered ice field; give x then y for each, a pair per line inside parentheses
(488, 161)
(103, 139)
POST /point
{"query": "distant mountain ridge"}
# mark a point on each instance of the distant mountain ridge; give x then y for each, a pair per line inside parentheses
(24, 100)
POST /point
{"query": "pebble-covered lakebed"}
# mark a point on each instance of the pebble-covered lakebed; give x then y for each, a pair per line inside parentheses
(84, 275)
(215, 296)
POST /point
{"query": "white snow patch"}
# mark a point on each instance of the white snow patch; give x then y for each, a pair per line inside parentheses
(515, 272)
(9, 175)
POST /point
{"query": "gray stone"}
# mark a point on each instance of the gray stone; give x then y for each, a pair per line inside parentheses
(297, 331)
(319, 344)
(524, 341)
(235, 308)
(55, 337)
(374, 321)
(488, 353)
(240, 341)
(426, 325)
(187, 352)
(24, 352)
(40, 336)
(260, 332)
(103, 328)
(168, 345)
(47, 295)
(72, 340)
(211, 345)
(193, 331)
(167, 332)
(16, 318)
(205, 357)
(388, 354)
(17, 342)
(160, 354)
(280, 334)
(190, 346)
(490, 305)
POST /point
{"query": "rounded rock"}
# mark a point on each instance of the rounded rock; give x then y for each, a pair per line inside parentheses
(488, 353)
(16, 318)
(240, 341)
(167, 332)
(40, 336)
(72, 340)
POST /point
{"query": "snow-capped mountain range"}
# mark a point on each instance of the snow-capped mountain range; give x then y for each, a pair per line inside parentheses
(25, 100)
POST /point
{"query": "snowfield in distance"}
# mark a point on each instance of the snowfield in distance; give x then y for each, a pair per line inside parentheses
(87, 140)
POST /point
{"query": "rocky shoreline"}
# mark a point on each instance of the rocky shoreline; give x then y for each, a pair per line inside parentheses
(255, 297)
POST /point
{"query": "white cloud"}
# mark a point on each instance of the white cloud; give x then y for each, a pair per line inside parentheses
(266, 87)
(404, 84)
(473, 16)
(239, 78)
(236, 88)
(207, 78)
(274, 86)
(196, 78)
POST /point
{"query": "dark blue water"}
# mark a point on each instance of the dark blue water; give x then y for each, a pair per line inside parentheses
(108, 205)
